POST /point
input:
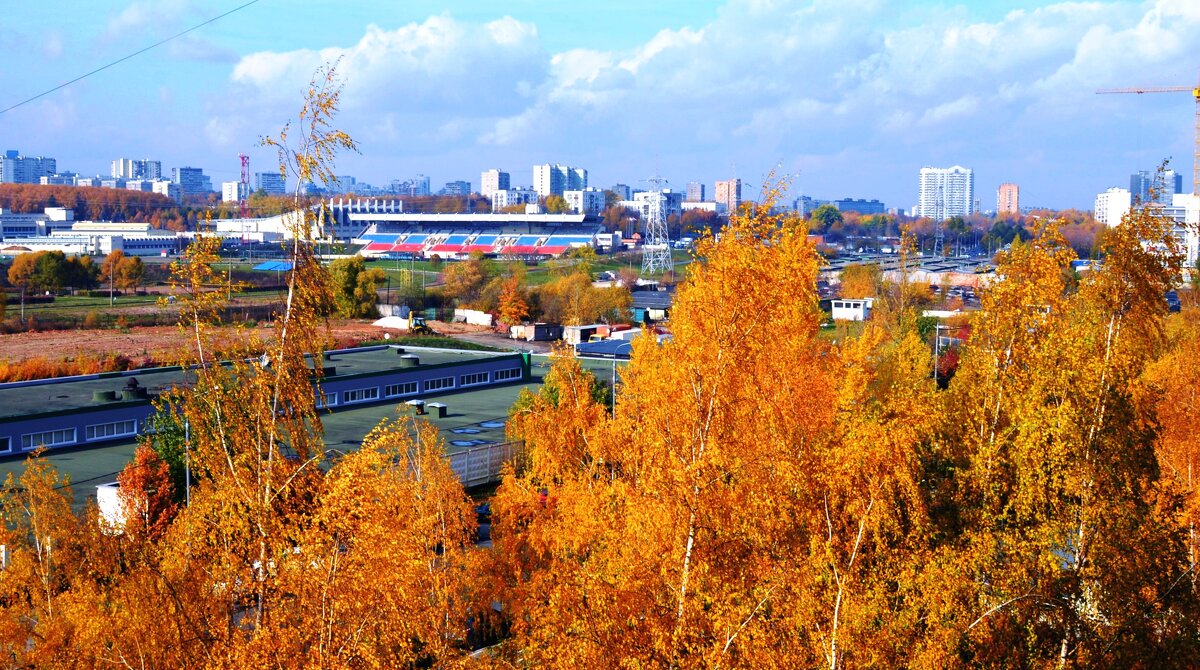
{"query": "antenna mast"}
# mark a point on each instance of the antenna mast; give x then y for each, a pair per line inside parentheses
(243, 205)
(244, 193)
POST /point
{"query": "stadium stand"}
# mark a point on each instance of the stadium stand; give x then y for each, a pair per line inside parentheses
(457, 236)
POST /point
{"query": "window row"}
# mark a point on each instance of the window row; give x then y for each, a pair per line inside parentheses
(361, 395)
(395, 390)
(473, 379)
(49, 438)
(104, 431)
(512, 373)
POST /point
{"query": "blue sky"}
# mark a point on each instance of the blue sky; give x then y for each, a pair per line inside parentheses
(851, 98)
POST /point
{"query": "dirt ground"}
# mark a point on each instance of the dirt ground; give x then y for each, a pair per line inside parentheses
(164, 343)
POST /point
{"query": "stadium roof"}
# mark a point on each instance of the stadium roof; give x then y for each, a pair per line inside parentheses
(468, 219)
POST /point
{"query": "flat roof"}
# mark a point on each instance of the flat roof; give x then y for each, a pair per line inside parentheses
(469, 217)
(65, 394)
(472, 414)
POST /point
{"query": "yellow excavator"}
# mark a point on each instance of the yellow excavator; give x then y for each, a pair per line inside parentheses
(417, 325)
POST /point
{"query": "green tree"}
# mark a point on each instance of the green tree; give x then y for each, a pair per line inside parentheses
(355, 287)
(81, 272)
(825, 217)
(50, 271)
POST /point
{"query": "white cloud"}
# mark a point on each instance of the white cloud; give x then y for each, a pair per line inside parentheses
(52, 46)
(144, 16)
(766, 79)
(420, 83)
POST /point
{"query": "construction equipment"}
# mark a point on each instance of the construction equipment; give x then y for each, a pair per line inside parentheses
(417, 325)
(1195, 91)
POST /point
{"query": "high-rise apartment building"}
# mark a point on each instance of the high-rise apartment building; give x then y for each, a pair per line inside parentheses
(1145, 186)
(623, 191)
(695, 191)
(586, 201)
(493, 180)
(191, 180)
(132, 168)
(233, 191)
(1112, 205)
(1008, 199)
(457, 188)
(946, 192)
(860, 205)
(511, 197)
(271, 183)
(556, 179)
(122, 168)
(167, 188)
(728, 193)
(342, 183)
(18, 169)
(417, 186)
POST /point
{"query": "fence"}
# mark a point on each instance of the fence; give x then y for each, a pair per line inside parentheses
(482, 463)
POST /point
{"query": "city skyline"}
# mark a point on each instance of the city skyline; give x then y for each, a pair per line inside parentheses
(697, 92)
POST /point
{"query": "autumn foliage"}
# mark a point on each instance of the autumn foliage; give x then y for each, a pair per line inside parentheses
(749, 495)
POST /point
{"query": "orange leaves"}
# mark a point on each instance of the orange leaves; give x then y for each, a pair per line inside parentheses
(44, 368)
(513, 308)
(147, 495)
(737, 509)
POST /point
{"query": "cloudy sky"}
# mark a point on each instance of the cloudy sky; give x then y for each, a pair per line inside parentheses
(852, 98)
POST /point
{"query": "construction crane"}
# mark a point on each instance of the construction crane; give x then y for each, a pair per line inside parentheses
(1195, 91)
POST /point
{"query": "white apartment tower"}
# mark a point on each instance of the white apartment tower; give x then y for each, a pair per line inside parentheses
(556, 179)
(946, 192)
(493, 180)
(1112, 205)
(132, 168)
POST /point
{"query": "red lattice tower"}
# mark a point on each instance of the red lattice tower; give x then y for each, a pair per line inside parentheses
(244, 190)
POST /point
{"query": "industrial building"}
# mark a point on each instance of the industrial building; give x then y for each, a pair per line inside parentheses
(96, 409)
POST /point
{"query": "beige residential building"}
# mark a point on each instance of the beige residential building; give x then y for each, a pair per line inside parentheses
(728, 193)
(1008, 199)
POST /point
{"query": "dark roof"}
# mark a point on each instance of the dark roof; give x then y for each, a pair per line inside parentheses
(652, 299)
(605, 348)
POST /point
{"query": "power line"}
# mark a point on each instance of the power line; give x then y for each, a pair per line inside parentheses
(125, 58)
